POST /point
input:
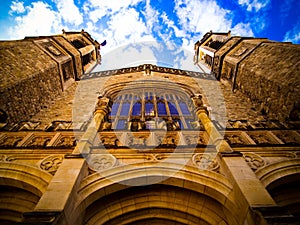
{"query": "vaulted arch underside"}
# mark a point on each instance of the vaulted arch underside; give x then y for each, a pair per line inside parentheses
(147, 194)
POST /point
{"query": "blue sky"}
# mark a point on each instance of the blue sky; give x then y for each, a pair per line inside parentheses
(177, 23)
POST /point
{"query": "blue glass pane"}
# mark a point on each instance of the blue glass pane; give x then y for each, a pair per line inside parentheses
(184, 109)
(121, 125)
(180, 124)
(149, 109)
(136, 109)
(173, 109)
(161, 107)
(114, 108)
(125, 109)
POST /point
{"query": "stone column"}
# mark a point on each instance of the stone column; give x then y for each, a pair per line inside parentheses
(255, 203)
(215, 137)
(56, 203)
(86, 141)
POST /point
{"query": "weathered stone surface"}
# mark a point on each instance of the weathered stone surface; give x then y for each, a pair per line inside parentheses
(270, 78)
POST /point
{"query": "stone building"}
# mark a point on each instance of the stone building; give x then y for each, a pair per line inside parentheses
(149, 144)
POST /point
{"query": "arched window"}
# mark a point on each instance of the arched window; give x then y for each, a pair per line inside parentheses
(151, 108)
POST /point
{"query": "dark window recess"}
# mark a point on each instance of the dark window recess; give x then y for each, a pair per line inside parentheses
(78, 44)
(216, 44)
(86, 59)
(67, 71)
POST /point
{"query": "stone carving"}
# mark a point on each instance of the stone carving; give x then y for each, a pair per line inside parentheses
(110, 141)
(197, 100)
(237, 124)
(254, 161)
(27, 125)
(138, 140)
(51, 163)
(101, 162)
(59, 125)
(106, 126)
(39, 141)
(10, 141)
(288, 137)
(261, 139)
(143, 68)
(5, 158)
(194, 140)
(205, 161)
(66, 141)
(167, 140)
(234, 139)
(155, 157)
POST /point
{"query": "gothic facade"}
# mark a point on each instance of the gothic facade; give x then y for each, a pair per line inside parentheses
(149, 144)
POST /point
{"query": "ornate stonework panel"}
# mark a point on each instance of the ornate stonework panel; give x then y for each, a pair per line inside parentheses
(254, 161)
(51, 163)
(237, 138)
(98, 162)
(11, 140)
(263, 138)
(288, 137)
(38, 140)
(206, 161)
(6, 158)
(195, 139)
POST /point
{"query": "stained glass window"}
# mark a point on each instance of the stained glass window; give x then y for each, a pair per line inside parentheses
(142, 109)
(184, 109)
(114, 108)
(136, 109)
(161, 107)
(125, 109)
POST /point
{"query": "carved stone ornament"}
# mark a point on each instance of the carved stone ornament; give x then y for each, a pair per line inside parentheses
(234, 139)
(51, 163)
(155, 157)
(101, 161)
(206, 161)
(5, 158)
(254, 161)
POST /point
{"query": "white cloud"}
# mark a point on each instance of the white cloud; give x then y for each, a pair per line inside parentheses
(293, 35)
(69, 12)
(16, 7)
(201, 16)
(242, 29)
(98, 9)
(254, 4)
(39, 19)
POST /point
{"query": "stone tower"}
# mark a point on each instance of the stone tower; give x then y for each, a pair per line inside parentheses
(149, 144)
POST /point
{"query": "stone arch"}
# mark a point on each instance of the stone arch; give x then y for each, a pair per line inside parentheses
(212, 201)
(281, 179)
(21, 187)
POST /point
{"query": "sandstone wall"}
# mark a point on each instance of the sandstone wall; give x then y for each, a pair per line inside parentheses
(270, 77)
(29, 79)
